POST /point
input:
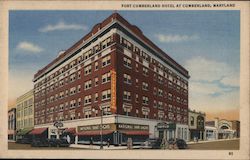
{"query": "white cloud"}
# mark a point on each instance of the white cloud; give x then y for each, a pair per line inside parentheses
(210, 85)
(175, 38)
(202, 69)
(60, 26)
(224, 102)
(29, 47)
(205, 88)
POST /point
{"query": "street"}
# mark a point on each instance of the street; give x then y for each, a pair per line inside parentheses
(217, 145)
(213, 145)
(18, 146)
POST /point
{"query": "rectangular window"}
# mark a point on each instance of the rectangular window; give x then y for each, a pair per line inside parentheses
(106, 61)
(96, 65)
(87, 99)
(96, 97)
(87, 84)
(160, 92)
(144, 86)
(96, 81)
(145, 100)
(87, 70)
(127, 95)
(106, 95)
(106, 77)
(145, 71)
(127, 62)
(127, 78)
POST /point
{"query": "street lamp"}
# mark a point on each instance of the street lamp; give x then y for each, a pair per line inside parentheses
(101, 146)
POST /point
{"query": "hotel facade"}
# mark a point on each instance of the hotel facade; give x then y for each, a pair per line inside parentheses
(117, 77)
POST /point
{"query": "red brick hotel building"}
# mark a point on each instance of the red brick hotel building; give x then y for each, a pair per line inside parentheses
(117, 70)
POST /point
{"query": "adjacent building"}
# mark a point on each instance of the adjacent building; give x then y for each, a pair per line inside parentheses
(25, 114)
(196, 125)
(225, 129)
(12, 124)
(113, 76)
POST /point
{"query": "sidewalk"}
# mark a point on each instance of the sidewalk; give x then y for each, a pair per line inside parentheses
(217, 140)
(97, 147)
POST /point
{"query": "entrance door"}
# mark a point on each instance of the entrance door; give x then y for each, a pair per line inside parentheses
(161, 134)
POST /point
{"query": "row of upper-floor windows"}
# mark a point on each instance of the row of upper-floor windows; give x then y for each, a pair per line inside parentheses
(25, 103)
(57, 83)
(156, 66)
(25, 123)
(77, 61)
(27, 111)
(146, 87)
(87, 100)
(164, 78)
(71, 115)
(168, 95)
(156, 104)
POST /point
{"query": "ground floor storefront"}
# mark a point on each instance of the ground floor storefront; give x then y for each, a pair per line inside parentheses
(113, 129)
(196, 134)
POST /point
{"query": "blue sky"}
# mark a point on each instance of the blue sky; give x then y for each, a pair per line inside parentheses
(207, 43)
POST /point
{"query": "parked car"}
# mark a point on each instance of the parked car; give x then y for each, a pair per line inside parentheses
(40, 143)
(151, 143)
(53, 142)
(63, 143)
(181, 144)
(24, 140)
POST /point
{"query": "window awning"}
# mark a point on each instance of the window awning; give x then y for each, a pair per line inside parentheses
(37, 131)
(140, 133)
(94, 133)
(70, 130)
(24, 131)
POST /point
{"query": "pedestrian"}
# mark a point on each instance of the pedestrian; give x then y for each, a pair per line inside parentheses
(91, 142)
(108, 143)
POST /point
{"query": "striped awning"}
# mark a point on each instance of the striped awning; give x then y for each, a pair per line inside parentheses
(37, 131)
(70, 130)
(94, 133)
(139, 133)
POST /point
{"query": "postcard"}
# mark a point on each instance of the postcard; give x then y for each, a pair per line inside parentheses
(125, 79)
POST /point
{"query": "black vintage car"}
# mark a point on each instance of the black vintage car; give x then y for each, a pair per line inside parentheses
(40, 143)
(181, 144)
(24, 140)
(151, 143)
(50, 143)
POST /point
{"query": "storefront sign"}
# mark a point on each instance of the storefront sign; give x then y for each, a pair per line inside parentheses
(132, 127)
(113, 90)
(96, 127)
(166, 126)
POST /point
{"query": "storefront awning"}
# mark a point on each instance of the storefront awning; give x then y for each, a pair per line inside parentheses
(70, 130)
(94, 133)
(140, 133)
(38, 131)
(24, 131)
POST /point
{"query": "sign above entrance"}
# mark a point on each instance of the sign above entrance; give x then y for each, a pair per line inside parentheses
(166, 126)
